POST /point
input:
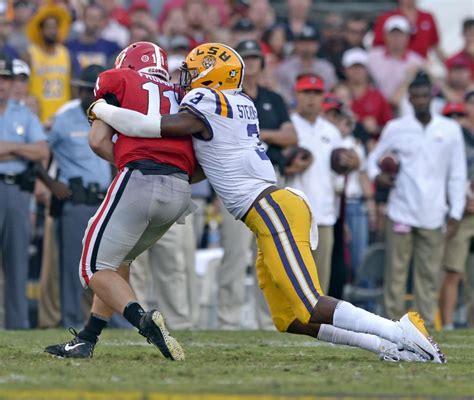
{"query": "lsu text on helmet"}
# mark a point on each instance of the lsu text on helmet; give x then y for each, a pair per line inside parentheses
(144, 57)
(212, 65)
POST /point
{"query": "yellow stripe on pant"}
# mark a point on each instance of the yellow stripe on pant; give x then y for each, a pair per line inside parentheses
(286, 270)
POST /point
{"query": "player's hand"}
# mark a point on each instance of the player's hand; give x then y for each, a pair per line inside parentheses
(91, 117)
(385, 180)
(60, 190)
(452, 227)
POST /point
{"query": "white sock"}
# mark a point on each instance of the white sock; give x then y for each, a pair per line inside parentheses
(331, 334)
(346, 316)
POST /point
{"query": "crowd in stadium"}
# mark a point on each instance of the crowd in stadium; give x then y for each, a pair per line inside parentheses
(395, 233)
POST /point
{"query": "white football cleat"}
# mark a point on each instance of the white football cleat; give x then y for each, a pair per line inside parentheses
(389, 352)
(417, 339)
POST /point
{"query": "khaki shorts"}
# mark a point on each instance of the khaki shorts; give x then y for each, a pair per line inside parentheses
(457, 248)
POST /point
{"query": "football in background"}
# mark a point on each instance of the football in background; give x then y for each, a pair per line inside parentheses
(336, 164)
(389, 164)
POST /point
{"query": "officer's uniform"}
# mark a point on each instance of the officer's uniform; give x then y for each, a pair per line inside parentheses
(88, 177)
(17, 124)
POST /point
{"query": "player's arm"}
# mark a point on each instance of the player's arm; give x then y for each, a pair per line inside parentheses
(100, 140)
(284, 137)
(136, 124)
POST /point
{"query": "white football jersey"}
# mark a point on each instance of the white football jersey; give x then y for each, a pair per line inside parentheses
(234, 160)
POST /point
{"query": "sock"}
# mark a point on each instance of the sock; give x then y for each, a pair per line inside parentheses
(331, 334)
(93, 328)
(133, 312)
(351, 318)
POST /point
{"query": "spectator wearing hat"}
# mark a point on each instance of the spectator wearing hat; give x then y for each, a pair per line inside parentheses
(80, 187)
(429, 188)
(391, 63)
(466, 55)
(89, 48)
(457, 80)
(369, 105)
(50, 63)
(423, 31)
(22, 141)
(318, 181)
(304, 61)
(458, 246)
(21, 86)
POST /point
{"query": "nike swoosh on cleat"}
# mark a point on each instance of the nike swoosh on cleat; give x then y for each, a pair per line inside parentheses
(68, 347)
(431, 357)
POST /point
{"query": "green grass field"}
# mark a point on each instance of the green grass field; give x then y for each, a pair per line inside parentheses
(224, 363)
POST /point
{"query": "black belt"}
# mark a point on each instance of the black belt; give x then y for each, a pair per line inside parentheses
(10, 179)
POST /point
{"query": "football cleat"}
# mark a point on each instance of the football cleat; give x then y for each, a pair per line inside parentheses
(152, 326)
(390, 352)
(76, 348)
(417, 339)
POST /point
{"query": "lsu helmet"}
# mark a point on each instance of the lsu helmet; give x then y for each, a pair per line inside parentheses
(144, 57)
(212, 65)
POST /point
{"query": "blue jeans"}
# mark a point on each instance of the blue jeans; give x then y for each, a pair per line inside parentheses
(358, 222)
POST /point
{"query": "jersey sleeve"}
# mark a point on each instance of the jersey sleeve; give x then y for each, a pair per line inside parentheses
(110, 83)
(202, 103)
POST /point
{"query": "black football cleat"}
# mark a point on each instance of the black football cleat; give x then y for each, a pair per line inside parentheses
(152, 326)
(76, 348)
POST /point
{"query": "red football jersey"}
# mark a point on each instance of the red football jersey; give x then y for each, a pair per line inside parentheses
(148, 95)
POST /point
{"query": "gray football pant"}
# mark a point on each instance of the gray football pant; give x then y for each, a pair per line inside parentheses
(137, 210)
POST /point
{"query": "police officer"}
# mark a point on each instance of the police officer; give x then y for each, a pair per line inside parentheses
(22, 141)
(83, 179)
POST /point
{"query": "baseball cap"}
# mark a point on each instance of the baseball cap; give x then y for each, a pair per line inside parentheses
(355, 56)
(457, 62)
(309, 32)
(309, 82)
(331, 102)
(20, 67)
(396, 22)
(249, 48)
(454, 108)
(88, 76)
(6, 65)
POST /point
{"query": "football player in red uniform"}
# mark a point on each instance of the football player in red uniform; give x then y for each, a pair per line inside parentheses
(150, 193)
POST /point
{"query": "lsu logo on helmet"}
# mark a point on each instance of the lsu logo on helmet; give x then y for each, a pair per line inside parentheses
(212, 65)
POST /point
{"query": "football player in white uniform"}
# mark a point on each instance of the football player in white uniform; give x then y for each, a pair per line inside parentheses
(224, 125)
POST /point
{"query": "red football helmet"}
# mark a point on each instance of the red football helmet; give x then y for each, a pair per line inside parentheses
(144, 57)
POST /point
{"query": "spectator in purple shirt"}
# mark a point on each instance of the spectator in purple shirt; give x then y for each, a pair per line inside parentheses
(89, 48)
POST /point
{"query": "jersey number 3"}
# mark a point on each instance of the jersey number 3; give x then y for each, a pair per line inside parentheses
(160, 103)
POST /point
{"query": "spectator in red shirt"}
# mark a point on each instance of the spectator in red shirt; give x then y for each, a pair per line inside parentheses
(368, 104)
(457, 80)
(424, 34)
(467, 53)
